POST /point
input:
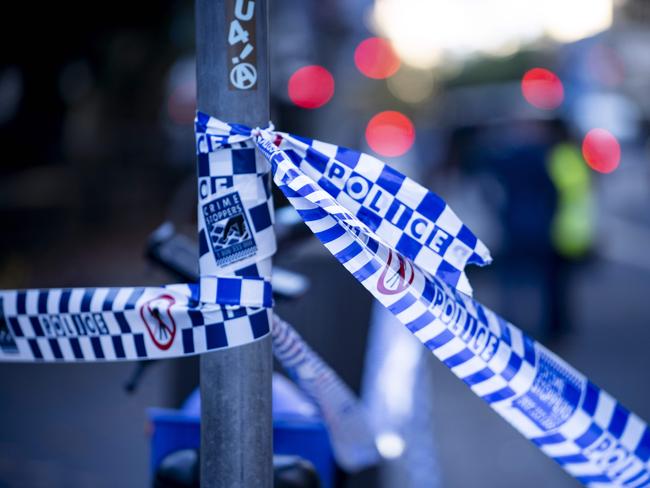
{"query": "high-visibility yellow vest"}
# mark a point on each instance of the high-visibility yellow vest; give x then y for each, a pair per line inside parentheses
(572, 229)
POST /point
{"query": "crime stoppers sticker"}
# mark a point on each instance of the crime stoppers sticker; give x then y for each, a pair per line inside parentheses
(228, 229)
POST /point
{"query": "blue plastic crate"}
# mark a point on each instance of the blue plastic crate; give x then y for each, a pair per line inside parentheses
(297, 430)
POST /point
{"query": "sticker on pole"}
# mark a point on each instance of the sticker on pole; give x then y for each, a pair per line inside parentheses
(242, 53)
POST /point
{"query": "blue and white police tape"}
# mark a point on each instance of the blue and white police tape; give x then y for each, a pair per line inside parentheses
(235, 207)
(431, 234)
(351, 435)
(230, 306)
(592, 436)
(408, 249)
(405, 215)
(111, 324)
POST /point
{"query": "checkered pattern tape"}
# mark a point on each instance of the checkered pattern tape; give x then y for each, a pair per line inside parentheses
(405, 215)
(235, 211)
(345, 416)
(110, 324)
(585, 430)
(399, 211)
(229, 307)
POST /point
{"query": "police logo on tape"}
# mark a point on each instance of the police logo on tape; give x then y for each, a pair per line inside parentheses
(228, 229)
(157, 317)
(393, 281)
(553, 396)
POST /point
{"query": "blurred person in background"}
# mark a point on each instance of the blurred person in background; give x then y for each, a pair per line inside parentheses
(572, 229)
(540, 188)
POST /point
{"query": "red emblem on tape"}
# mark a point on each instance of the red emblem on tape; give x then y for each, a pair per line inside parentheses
(397, 281)
(157, 317)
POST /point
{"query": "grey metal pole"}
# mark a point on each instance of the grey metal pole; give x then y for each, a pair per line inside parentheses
(233, 84)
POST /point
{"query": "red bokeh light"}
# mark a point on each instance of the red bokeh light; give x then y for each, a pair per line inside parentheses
(601, 150)
(390, 133)
(376, 58)
(311, 86)
(542, 89)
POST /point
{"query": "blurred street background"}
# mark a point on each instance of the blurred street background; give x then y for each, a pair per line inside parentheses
(530, 118)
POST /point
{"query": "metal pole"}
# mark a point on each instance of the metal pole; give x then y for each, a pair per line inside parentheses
(236, 422)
